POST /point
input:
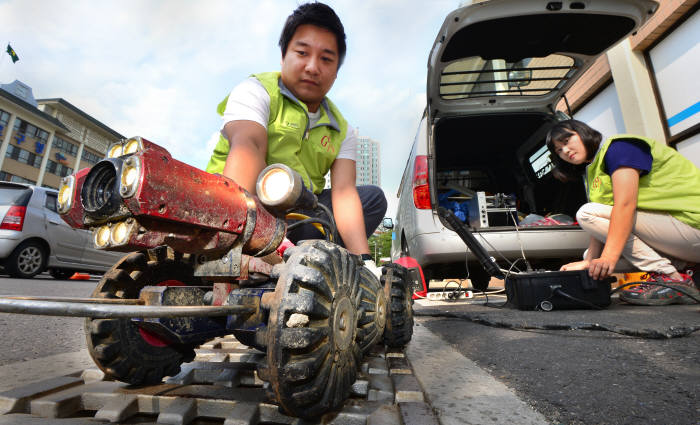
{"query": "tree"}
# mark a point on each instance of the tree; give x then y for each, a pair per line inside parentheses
(380, 245)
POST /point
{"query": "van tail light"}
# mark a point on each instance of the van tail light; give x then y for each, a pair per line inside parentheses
(421, 189)
(14, 219)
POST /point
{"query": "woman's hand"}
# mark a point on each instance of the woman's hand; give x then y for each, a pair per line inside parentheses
(577, 265)
(602, 267)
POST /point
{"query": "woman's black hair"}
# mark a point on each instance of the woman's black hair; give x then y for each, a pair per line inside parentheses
(561, 131)
(320, 15)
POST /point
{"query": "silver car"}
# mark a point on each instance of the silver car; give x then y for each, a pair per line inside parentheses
(34, 237)
(496, 72)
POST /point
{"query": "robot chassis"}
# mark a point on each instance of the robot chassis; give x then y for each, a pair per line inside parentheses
(203, 261)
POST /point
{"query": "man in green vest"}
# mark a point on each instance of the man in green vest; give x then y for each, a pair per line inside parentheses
(285, 117)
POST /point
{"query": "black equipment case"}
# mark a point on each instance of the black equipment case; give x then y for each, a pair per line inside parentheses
(543, 290)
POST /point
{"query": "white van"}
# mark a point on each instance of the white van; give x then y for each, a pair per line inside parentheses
(496, 72)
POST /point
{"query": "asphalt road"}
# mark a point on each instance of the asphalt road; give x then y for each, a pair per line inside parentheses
(27, 337)
(572, 377)
(584, 377)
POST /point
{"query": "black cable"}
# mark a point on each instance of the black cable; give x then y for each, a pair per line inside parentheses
(309, 220)
(682, 291)
(672, 332)
(331, 220)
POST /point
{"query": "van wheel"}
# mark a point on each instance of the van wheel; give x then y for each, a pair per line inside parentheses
(119, 347)
(27, 260)
(61, 274)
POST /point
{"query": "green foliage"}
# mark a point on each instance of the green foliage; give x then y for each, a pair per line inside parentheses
(380, 245)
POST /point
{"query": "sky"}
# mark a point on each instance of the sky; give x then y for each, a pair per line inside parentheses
(158, 69)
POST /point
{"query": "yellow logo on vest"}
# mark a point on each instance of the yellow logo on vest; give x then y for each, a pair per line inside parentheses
(292, 124)
(596, 183)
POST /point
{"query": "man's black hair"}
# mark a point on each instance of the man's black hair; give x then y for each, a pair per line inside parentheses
(561, 131)
(320, 15)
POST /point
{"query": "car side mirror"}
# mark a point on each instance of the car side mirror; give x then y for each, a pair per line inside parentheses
(388, 223)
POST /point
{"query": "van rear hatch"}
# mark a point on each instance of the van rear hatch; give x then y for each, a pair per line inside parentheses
(508, 55)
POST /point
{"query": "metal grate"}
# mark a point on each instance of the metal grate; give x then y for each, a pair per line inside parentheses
(219, 387)
(476, 77)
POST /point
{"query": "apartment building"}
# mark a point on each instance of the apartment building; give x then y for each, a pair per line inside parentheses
(368, 162)
(46, 139)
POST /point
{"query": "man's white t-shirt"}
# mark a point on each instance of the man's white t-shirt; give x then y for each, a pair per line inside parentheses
(250, 101)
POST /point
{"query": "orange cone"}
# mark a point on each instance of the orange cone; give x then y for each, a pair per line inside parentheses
(80, 276)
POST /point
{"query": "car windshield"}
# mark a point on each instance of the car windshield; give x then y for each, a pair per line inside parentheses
(476, 77)
(14, 196)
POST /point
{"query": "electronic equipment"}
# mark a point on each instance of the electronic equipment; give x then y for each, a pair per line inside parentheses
(492, 210)
(538, 290)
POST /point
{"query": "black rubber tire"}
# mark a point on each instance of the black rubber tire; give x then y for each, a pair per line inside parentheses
(27, 260)
(399, 325)
(248, 338)
(61, 274)
(312, 365)
(116, 345)
(373, 311)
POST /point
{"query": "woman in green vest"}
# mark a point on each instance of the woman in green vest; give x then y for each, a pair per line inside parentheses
(643, 210)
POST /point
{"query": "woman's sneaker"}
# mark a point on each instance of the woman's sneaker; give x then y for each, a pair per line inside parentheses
(649, 294)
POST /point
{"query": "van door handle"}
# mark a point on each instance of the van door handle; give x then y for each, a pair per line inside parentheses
(54, 222)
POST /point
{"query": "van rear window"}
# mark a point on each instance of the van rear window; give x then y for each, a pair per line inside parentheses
(15, 196)
(476, 77)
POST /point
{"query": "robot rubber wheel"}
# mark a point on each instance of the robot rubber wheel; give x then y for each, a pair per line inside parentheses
(312, 353)
(399, 325)
(118, 346)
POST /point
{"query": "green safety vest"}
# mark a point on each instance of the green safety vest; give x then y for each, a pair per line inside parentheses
(672, 185)
(309, 151)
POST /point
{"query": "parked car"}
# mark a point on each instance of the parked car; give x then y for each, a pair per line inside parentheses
(496, 72)
(34, 237)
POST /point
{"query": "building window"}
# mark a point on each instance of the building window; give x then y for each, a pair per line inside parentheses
(65, 146)
(90, 157)
(58, 169)
(18, 179)
(23, 156)
(23, 127)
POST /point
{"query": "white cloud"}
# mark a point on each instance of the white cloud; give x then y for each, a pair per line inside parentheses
(158, 68)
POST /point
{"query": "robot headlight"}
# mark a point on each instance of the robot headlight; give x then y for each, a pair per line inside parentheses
(280, 188)
(101, 236)
(132, 145)
(130, 177)
(114, 151)
(65, 194)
